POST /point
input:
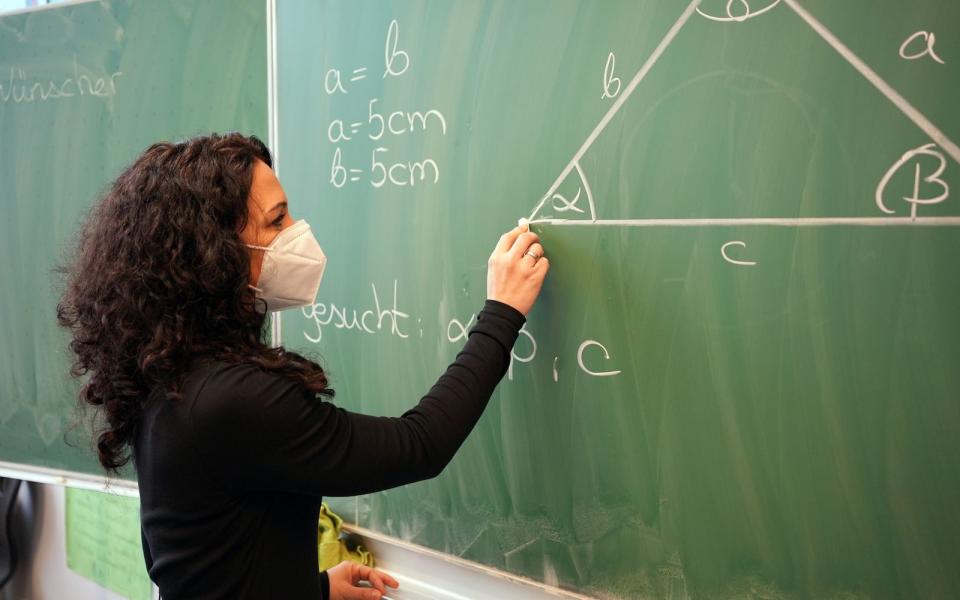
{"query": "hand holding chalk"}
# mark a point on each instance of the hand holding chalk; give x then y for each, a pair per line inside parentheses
(516, 268)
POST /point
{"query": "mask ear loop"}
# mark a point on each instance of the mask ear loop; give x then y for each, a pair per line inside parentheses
(265, 250)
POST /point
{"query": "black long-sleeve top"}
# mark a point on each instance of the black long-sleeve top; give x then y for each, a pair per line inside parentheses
(231, 476)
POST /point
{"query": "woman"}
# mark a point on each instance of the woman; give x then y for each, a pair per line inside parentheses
(232, 440)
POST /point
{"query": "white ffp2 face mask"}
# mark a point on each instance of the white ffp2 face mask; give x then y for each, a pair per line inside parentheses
(292, 268)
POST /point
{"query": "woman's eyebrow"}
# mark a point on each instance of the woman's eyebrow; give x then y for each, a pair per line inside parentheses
(278, 205)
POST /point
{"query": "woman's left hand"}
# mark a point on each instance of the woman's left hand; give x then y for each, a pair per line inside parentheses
(345, 577)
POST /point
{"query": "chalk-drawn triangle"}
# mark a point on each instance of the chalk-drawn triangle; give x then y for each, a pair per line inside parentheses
(559, 195)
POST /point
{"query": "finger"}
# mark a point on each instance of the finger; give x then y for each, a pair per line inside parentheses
(543, 265)
(390, 581)
(359, 593)
(379, 579)
(358, 573)
(506, 240)
(523, 241)
(376, 578)
(365, 573)
(376, 581)
(535, 251)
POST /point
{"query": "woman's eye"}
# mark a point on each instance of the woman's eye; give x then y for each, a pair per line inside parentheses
(278, 221)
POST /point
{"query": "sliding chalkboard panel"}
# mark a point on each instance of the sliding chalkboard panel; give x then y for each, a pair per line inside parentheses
(84, 88)
(741, 379)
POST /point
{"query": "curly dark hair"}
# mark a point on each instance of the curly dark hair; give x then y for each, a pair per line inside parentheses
(159, 279)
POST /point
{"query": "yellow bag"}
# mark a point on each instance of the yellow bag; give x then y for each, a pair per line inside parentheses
(333, 549)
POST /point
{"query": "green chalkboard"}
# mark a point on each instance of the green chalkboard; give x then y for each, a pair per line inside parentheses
(84, 88)
(741, 379)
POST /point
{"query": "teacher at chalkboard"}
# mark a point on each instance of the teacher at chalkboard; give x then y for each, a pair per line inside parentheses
(234, 441)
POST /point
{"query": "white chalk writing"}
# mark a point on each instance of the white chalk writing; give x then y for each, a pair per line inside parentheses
(371, 320)
(21, 88)
(928, 39)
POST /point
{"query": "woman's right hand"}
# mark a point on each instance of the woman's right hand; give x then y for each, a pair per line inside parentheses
(515, 277)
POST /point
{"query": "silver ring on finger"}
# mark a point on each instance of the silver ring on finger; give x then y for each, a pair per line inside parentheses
(532, 255)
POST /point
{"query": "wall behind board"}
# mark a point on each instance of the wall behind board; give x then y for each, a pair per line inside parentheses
(84, 88)
(40, 523)
(741, 378)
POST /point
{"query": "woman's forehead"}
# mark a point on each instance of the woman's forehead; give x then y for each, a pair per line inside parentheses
(266, 193)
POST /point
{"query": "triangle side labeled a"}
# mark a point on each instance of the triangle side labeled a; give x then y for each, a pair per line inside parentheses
(902, 104)
(611, 112)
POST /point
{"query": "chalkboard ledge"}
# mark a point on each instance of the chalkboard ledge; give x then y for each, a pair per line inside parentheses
(120, 487)
(424, 573)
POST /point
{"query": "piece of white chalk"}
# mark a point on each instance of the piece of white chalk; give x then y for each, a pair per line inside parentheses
(521, 221)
